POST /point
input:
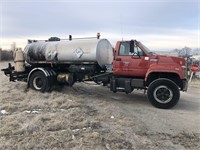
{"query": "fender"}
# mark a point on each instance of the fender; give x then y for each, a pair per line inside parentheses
(162, 68)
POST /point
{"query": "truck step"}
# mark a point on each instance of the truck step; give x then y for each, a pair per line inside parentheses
(120, 89)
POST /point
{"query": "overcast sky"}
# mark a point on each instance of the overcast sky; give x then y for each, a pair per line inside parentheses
(159, 24)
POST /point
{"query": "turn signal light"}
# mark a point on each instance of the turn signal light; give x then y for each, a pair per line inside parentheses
(98, 35)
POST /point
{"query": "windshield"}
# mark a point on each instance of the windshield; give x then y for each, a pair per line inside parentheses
(145, 48)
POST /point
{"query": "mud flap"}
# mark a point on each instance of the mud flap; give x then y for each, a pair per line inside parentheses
(113, 85)
(128, 88)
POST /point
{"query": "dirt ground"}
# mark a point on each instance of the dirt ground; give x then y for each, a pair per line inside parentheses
(89, 116)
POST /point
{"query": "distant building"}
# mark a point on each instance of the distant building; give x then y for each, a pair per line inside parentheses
(196, 57)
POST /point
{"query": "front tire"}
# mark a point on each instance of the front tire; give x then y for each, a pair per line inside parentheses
(163, 93)
(39, 82)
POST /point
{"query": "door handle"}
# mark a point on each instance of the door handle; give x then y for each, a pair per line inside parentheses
(118, 59)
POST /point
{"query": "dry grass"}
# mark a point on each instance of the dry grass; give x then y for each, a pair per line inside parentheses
(76, 118)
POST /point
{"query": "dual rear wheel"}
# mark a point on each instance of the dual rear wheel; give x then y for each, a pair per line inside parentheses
(40, 82)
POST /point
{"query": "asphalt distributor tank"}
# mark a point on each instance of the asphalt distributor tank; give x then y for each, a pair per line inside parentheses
(84, 51)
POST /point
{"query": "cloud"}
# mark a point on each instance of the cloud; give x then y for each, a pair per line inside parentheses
(154, 18)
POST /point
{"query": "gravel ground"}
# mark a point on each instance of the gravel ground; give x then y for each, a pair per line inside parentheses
(89, 116)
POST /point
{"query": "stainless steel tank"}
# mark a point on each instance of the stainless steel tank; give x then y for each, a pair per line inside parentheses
(77, 51)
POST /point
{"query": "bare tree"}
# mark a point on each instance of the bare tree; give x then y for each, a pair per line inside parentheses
(6, 55)
(0, 53)
(185, 52)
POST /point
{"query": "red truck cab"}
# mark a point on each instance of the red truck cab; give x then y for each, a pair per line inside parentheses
(135, 66)
(132, 58)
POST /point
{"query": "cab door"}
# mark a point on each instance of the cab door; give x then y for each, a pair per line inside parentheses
(121, 59)
(130, 60)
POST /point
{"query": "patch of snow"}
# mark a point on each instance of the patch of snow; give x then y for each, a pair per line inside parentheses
(73, 137)
(4, 112)
(34, 111)
(27, 111)
(75, 130)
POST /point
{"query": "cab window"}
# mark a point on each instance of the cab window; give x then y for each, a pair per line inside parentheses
(128, 49)
(124, 49)
(138, 51)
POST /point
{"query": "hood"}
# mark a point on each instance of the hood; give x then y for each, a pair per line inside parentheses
(168, 59)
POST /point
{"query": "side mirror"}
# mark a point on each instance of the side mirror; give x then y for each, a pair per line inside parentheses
(132, 44)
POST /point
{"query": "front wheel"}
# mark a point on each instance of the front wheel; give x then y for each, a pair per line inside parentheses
(163, 93)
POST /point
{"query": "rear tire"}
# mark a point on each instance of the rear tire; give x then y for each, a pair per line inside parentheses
(163, 93)
(39, 82)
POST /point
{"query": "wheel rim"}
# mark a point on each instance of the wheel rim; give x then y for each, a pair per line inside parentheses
(37, 83)
(163, 94)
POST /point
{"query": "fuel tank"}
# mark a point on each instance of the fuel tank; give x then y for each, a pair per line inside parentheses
(84, 51)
